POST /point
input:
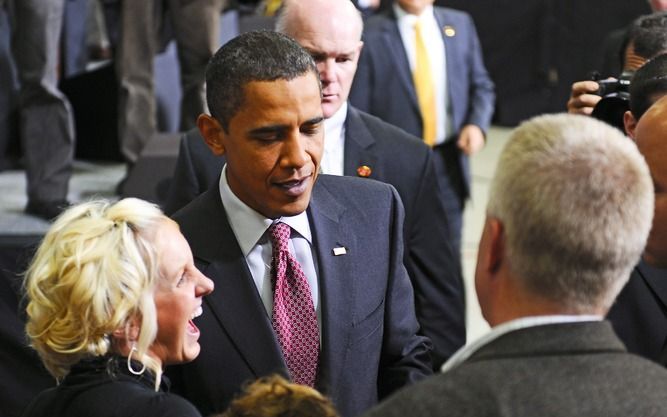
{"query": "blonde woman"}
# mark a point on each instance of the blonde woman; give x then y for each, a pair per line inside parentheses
(111, 294)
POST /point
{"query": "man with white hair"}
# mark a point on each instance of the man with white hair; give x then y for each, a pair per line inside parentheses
(569, 212)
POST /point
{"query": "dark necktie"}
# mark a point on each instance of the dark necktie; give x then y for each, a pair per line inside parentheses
(294, 318)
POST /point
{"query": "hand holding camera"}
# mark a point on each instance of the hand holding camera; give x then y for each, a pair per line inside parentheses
(583, 97)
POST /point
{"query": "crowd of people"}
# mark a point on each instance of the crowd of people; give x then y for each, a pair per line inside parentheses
(308, 259)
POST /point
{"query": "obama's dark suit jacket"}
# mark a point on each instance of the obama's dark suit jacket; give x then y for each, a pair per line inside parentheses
(370, 345)
(394, 157)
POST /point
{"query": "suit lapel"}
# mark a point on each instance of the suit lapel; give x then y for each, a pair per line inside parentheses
(335, 280)
(359, 145)
(235, 303)
(392, 39)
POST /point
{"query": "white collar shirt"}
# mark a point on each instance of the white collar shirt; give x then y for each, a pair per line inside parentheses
(250, 229)
(333, 162)
(521, 323)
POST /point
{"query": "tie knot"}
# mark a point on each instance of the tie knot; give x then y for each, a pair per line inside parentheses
(417, 25)
(280, 234)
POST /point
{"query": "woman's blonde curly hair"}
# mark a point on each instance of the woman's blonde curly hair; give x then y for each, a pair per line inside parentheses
(94, 271)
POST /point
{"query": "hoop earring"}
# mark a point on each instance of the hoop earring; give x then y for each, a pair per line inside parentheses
(129, 363)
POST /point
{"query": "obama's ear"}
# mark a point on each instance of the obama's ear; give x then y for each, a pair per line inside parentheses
(212, 133)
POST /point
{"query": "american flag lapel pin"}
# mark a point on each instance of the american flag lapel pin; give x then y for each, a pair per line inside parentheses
(339, 250)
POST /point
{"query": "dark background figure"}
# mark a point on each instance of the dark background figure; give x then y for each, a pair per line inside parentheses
(464, 94)
(615, 44)
(22, 374)
(46, 126)
(196, 28)
(647, 37)
(535, 50)
(8, 96)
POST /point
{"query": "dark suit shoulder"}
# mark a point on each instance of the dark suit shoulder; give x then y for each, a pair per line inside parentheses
(393, 137)
(364, 196)
(353, 188)
(379, 21)
(201, 205)
(202, 218)
(453, 14)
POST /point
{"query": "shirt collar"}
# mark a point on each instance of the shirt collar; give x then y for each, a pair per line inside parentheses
(248, 225)
(336, 120)
(402, 15)
(521, 323)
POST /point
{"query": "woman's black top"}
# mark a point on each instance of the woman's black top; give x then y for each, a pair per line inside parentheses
(104, 387)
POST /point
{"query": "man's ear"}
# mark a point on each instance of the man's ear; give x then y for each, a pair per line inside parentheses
(630, 124)
(212, 133)
(496, 252)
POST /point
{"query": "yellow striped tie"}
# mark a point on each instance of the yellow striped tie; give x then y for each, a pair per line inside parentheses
(423, 80)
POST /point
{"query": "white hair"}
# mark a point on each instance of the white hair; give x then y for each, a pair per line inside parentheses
(576, 200)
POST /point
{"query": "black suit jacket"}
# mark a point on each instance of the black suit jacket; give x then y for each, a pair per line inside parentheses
(22, 375)
(403, 161)
(639, 314)
(558, 370)
(369, 342)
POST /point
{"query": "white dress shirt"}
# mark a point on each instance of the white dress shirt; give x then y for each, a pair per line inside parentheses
(521, 323)
(334, 142)
(436, 55)
(250, 229)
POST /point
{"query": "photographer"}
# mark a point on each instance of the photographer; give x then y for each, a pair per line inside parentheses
(648, 85)
(647, 38)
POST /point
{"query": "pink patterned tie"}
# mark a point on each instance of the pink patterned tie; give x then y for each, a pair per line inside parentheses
(294, 318)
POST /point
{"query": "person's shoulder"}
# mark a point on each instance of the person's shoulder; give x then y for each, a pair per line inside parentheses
(453, 13)
(378, 22)
(164, 404)
(354, 191)
(201, 205)
(430, 397)
(342, 182)
(392, 136)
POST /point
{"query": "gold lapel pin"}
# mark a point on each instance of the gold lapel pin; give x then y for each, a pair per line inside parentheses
(449, 31)
(364, 171)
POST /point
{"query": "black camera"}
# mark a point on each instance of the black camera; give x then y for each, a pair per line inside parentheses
(615, 100)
